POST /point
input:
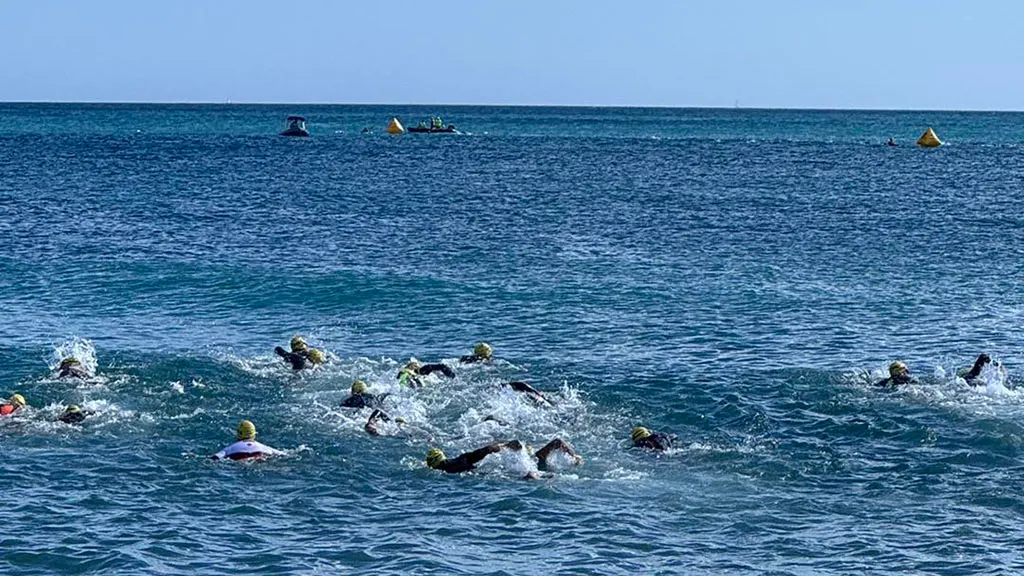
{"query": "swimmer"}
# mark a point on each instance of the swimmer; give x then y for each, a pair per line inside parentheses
(482, 352)
(468, 461)
(246, 447)
(409, 375)
(360, 398)
(532, 393)
(301, 356)
(74, 415)
(973, 376)
(380, 416)
(556, 444)
(14, 403)
(657, 441)
(891, 141)
(70, 367)
(899, 375)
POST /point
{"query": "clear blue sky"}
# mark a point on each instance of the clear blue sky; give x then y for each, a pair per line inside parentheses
(786, 53)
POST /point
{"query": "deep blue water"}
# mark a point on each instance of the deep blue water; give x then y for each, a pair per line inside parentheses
(737, 277)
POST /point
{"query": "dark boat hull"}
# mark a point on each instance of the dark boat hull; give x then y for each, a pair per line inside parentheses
(418, 130)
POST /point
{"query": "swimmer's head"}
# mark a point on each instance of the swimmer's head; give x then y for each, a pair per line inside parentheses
(412, 366)
(483, 350)
(315, 356)
(17, 400)
(73, 409)
(246, 431)
(639, 433)
(435, 457)
(69, 362)
(983, 359)
(358, 387)
(898, 368)
(298, 344)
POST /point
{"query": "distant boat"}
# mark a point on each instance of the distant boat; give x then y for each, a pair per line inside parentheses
(450, 129)
(436, 126)
(296, 126)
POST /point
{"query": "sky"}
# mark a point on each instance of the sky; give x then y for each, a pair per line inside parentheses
(894, 54)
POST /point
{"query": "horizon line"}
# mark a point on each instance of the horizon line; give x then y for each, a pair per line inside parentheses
(493, 105)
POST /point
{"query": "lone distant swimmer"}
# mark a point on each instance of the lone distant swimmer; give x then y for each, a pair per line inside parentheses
(74, 415)
(657, 441)
(482, 352)
(70, 367)
(891, 142)
(301, 356)
(246, 447)
(409, 375)
(899, 375)
(361, 398)
(14, 403)
(973, 376)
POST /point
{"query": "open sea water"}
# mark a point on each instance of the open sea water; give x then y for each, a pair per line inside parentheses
(737, 277)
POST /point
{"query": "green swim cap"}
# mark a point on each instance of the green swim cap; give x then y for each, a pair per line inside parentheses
(358, 387)
(298, 344)
(435, 457)
(639, 433)
(72, 409)
(315, 356)
(897, 368)
(69, 361)
(246, 431)
(483, 350)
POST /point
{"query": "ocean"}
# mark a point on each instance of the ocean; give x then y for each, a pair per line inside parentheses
(736, 277)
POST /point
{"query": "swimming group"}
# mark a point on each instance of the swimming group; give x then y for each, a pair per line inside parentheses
(301, 356)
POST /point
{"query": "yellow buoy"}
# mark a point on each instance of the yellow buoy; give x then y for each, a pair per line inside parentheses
(395, 127)
(929, 139)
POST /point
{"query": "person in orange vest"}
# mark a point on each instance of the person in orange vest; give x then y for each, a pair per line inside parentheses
(14, 403)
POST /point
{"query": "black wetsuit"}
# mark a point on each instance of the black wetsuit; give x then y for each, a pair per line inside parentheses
(73, 371)
(469, 460)
(75, 417)
(298, 360)
(894, 381)
(973, 376)
(657, 441)
(534, 394)
(472, 359)
(426, 370)
(371, 422)
(556, 444)
(365, 400)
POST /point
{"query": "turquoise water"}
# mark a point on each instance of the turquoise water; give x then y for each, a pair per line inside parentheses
(737, 277)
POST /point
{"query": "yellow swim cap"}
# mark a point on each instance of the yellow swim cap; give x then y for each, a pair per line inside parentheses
(358, 387)
(298, 344)
(897, 368)
(246, 431)
(17, 399)
(435, 457)
(72, 409)
(69, 361)
(413, 366)
(639, 433)
(483, 350)
(315, 356)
